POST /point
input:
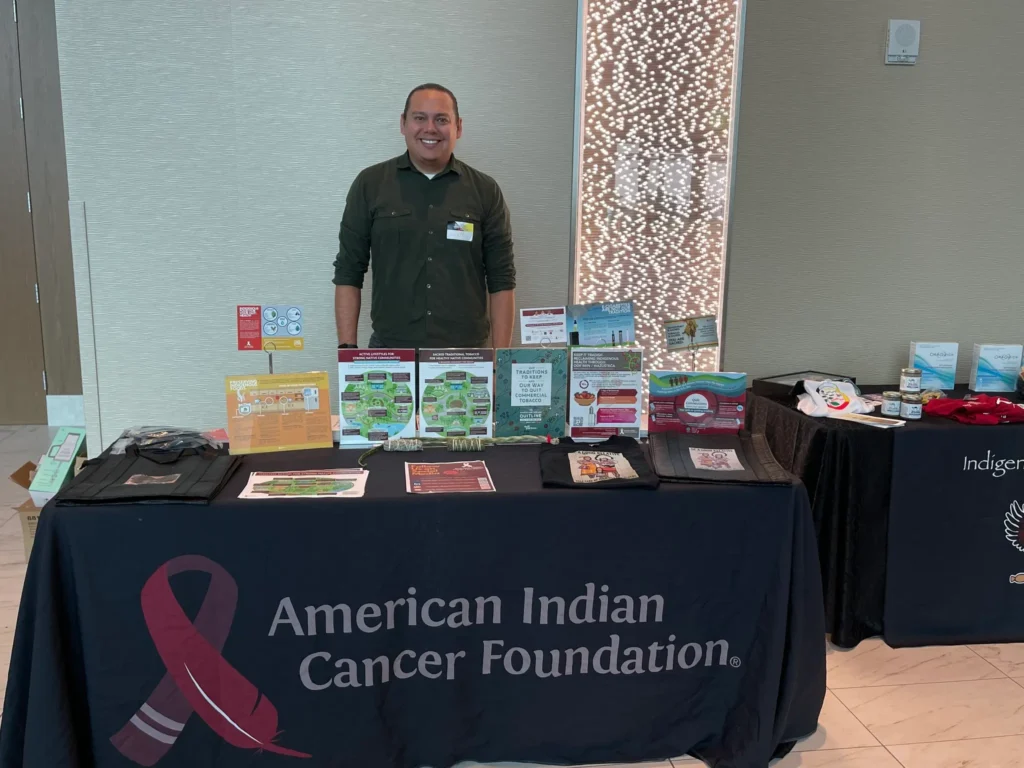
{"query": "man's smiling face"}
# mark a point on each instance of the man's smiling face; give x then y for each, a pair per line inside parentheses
(431, 129)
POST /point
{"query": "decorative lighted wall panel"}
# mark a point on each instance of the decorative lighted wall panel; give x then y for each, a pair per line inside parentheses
(657, 115)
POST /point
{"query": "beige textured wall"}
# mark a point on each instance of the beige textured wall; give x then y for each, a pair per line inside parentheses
(876, 205)
(211, 145)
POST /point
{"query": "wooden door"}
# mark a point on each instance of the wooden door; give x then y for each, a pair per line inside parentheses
(22, 393)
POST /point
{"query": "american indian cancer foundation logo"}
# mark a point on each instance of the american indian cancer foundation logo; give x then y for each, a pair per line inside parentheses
(1015, 534)
(198, 678)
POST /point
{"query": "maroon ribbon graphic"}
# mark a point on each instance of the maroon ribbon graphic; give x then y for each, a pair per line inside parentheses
(198, 677)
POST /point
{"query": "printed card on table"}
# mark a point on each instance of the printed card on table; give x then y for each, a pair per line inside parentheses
(448, 477)
(306, 484)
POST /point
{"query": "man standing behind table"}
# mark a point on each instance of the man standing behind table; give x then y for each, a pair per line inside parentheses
(437, 233)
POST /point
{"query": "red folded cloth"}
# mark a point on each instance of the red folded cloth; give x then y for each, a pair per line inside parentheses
(982, 409)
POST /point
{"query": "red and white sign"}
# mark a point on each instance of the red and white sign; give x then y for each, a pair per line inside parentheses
(249, 323)
(270, 327)
(543, 325)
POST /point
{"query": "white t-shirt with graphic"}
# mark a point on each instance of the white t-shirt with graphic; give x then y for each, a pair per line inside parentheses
(824, 398)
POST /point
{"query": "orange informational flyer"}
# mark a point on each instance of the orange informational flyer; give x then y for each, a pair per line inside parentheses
(278, 412)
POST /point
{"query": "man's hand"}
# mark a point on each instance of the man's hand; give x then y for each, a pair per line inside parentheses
(347, 300)
(503, 318)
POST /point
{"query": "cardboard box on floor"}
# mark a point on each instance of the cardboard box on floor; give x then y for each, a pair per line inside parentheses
(28, 512)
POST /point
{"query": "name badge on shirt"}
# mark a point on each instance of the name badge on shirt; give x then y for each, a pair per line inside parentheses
(460, 230)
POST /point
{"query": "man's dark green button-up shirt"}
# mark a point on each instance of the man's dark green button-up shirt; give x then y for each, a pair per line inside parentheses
(429, 289)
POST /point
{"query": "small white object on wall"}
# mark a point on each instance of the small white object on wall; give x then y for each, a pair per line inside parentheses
(904, 42)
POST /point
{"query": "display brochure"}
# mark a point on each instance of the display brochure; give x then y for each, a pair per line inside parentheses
(601, 325)
(605, 392)
(306, 484)
(270, 327)
(692, 332)
(696, 402)
(455, 392)
(995, 367)
(278, 412)
(377, 395)
(937, 363)
(543, 325)
(448, 477)
(57, 465)
(529, 392)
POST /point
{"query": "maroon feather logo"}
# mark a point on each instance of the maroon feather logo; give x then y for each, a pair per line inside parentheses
(198, 677)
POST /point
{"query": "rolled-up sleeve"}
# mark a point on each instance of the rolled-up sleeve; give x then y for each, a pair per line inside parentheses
(499, 260)
(354, 237)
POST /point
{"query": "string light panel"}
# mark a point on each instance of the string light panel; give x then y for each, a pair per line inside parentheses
(657, 117)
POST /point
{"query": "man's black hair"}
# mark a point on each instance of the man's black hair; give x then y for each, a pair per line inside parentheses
(431, 87)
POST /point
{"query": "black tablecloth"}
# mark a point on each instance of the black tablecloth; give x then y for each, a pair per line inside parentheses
(847, 470)
(726, 575)
(956, 535)
(892, 509)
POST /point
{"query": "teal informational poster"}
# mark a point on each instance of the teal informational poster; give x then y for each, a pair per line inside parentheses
(530, 392)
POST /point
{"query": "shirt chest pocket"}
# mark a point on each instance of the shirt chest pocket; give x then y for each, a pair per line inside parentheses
(465, 229)
(390, 229)
(391, 220)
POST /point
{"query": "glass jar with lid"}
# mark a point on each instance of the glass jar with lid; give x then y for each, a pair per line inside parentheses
(910, 380)
(910, 406)
(891, 403)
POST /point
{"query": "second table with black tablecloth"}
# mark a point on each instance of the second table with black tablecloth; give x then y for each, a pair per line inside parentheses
(847, 469)
(955, 562)
(912, 545)
(541, 625)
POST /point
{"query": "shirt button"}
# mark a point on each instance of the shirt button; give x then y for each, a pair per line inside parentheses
(429, 312)
(430, 258)
(430, 232)
(430, 206)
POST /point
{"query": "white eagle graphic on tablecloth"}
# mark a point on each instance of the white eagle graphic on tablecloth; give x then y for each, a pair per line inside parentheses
(1012, 526)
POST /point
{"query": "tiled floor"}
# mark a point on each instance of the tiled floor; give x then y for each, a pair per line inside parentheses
(942, 707)
(17, 445)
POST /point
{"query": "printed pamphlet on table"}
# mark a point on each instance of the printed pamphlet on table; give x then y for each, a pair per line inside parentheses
(448, 477)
